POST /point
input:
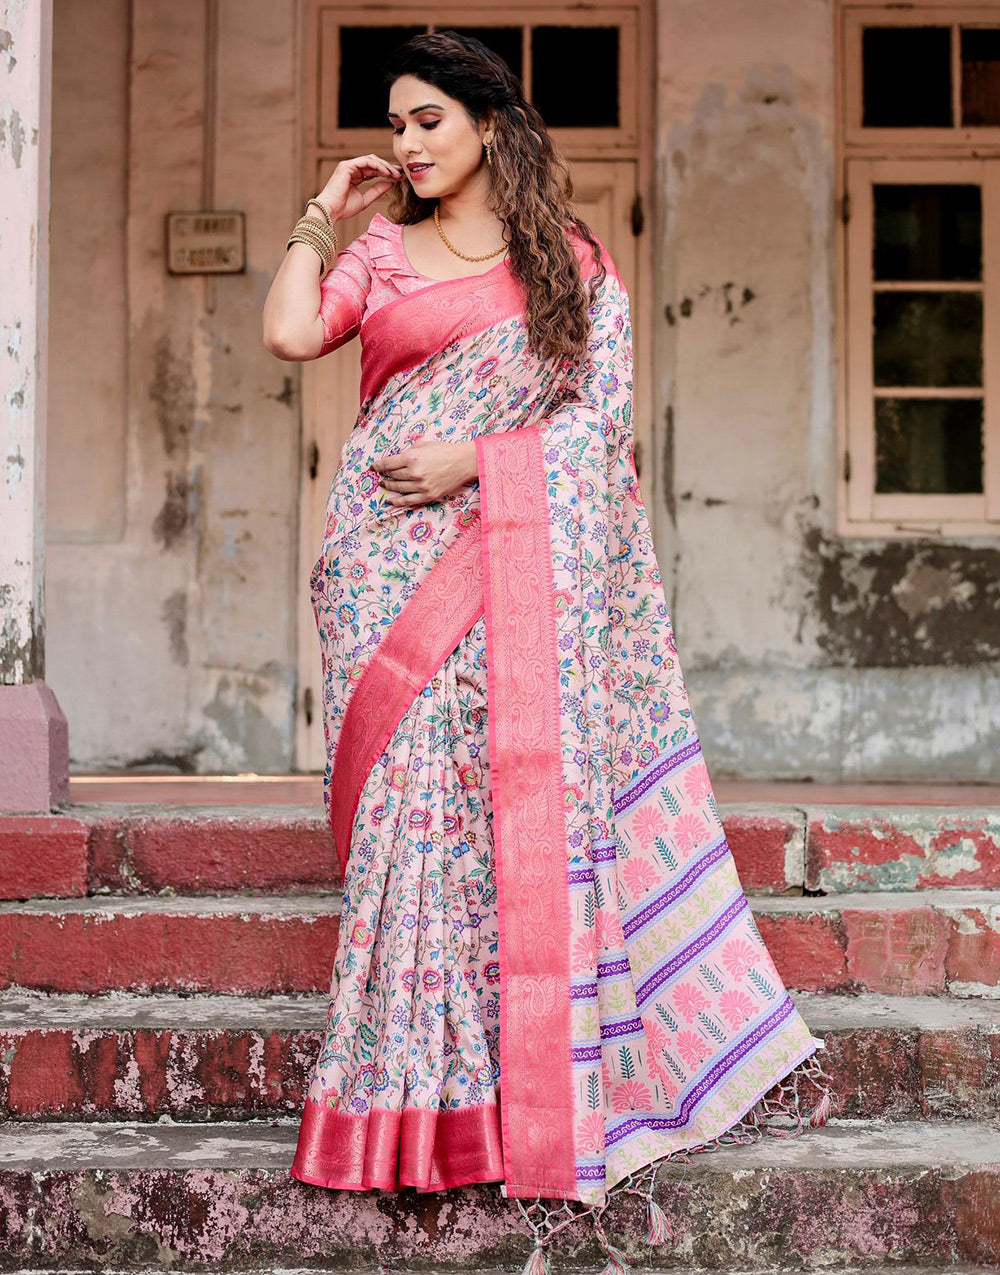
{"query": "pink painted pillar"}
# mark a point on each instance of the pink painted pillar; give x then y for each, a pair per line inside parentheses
(34, 745)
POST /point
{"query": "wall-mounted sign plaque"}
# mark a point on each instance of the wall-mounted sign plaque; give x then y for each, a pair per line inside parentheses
(206, 242)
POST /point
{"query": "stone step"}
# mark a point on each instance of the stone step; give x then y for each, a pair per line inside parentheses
(205, 1196)
(963, 1268)
(124, 1057)
(279, 849)
(907, 943)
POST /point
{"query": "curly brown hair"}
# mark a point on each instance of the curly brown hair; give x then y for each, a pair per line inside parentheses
(531, 186)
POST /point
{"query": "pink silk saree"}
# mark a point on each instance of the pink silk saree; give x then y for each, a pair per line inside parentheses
(641, 1016)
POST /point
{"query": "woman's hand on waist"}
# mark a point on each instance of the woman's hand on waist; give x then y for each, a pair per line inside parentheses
(426, 471)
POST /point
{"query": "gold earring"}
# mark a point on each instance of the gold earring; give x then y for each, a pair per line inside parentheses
(489, 157)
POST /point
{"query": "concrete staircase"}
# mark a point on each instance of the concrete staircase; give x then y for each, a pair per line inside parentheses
(162, 988)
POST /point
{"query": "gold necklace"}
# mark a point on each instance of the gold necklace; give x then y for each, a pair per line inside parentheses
(465, 257)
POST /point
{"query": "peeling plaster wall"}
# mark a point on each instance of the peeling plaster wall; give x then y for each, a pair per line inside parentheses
(806, 654)
(172, 578)
(171, 639)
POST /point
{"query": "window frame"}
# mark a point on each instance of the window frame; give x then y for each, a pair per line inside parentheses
(912, 156)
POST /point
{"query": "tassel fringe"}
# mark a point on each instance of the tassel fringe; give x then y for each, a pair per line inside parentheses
(538, 1262)
(778, 1114)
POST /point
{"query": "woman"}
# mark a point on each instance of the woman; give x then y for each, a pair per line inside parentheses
(547, 973)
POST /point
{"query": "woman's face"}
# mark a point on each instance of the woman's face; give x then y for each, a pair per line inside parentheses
(431, 128)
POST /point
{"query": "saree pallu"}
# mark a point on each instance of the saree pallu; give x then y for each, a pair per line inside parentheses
(640, 1014)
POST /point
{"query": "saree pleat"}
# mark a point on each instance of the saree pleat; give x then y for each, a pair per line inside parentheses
(411, 1055)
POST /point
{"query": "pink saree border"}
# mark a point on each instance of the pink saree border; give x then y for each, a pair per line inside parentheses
(386, 1150)
(447, 603)
(444, 311)
(529, 828)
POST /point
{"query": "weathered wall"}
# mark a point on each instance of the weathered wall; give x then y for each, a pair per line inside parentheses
(173, 483)
(806, 654)
(171, 576)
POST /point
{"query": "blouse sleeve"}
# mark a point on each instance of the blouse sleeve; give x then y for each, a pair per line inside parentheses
(342, 295)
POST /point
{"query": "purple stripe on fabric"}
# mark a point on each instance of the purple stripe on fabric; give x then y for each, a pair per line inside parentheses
(617, 968)
(580, 876)
(710, 1080)
(591, 1173)
(587, 1053)
(611, 969)
(604, 853)
(714, 854)
(653, 774)
(705, 939)
(627, 1027)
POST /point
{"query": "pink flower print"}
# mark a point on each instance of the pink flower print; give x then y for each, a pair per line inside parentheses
(358, 570)
(689, 999)
(485, 368)
(738, 956)
(419, 818)
(432, 980)
(381, 1079)
(361, 935)
(639, 876)
(630, 1095)
(397, 778)
(466, 518)
(656, 1038)
(491, 971)
(572, 794)
(591, 1140)
(609, 930)
(648, 823)
(585, 951)
(737, 1007)
(696, 781)
(692, 1048)
(689, 830)
(605, 1075)
(421, 530)
(408, 979)
(468, 776)
(377, 813)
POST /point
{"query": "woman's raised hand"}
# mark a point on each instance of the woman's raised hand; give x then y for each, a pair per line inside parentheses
(342, 194)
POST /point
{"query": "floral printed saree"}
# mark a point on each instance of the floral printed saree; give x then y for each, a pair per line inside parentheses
(548, 974)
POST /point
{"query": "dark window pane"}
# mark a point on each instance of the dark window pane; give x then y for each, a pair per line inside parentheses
(928, 445)
(362, 100)
(928, 338)
(907, 77)
(505, 42)
(981, 76)
(563, 96)
(928, 232)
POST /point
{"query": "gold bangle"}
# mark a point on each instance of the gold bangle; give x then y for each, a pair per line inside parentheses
(312, 230)
(322, 249)
(314, 226)
(324, 211)
(327, 222)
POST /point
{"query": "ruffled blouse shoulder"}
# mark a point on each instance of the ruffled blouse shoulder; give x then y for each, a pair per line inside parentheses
(384, 244)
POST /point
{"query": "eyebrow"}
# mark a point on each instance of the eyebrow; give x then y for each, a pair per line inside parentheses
(427, 106)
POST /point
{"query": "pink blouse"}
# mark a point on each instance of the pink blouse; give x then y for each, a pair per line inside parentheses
(367, 273)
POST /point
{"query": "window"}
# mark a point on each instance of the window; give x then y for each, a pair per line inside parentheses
(546, 57)
(921, 284)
